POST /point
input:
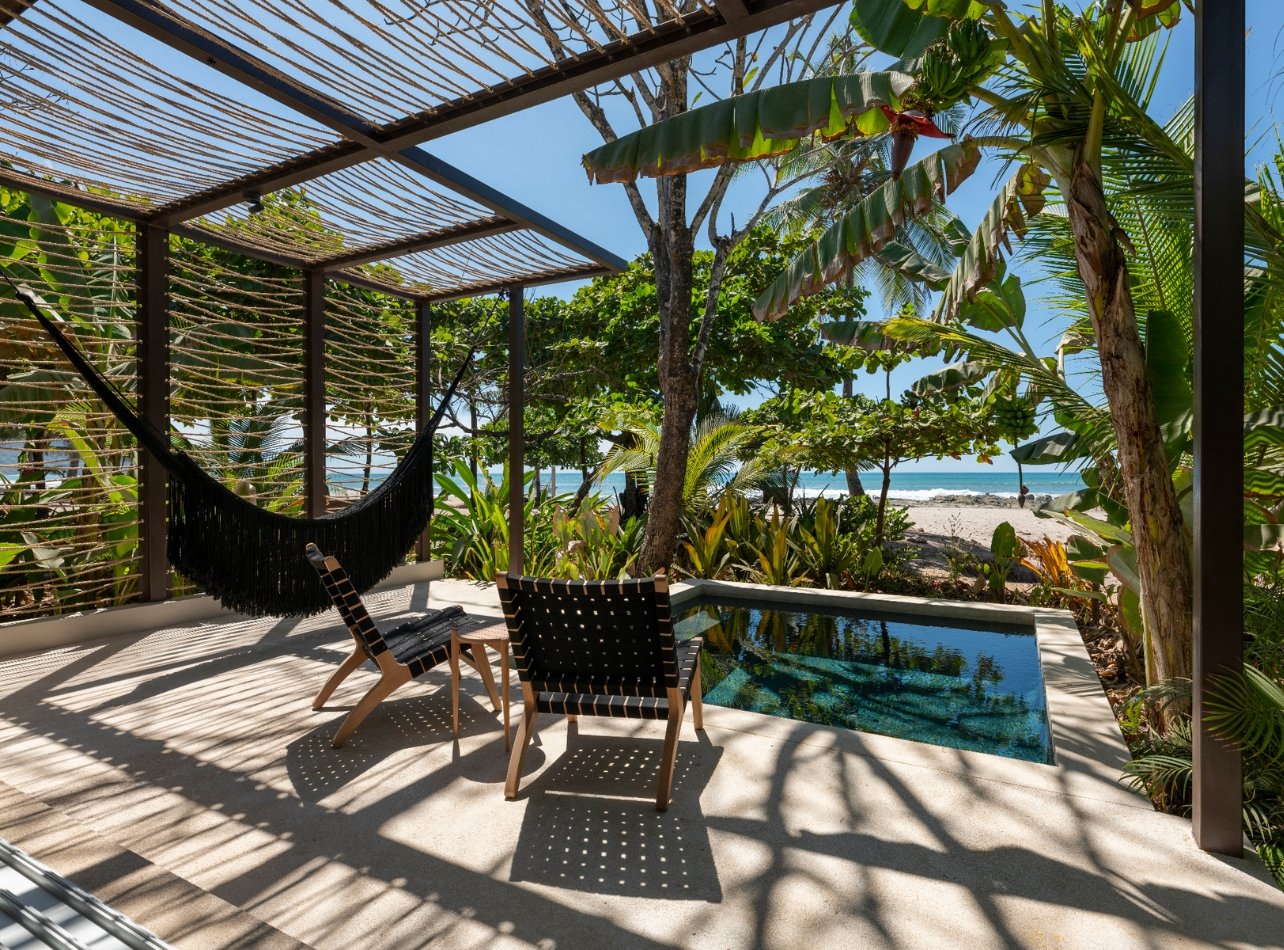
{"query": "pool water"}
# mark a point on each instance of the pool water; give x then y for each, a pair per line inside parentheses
(939, 681)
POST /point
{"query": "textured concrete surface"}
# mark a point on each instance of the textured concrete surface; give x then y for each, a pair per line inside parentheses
(195, 750)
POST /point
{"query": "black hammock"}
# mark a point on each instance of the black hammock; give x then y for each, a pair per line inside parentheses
(250, 559)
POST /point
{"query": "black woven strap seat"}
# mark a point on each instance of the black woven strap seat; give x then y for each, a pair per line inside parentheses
(617, 696)
(424, 642)
(406, 652)
(600, 648)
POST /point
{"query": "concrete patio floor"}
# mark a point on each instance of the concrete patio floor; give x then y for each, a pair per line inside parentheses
(182, 775)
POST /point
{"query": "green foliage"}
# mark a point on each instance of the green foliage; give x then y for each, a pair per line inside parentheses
(1246, 708)
(470, 531)
(1005, 551)
(592, 546)
(707, 550)
(716, 462)
(777, 553)
(826, 543)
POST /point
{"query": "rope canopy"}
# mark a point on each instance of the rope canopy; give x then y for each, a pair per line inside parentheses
(229, 134)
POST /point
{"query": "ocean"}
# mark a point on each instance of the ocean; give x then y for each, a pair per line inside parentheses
(905, 486)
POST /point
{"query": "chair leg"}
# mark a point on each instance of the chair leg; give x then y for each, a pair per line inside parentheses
(525, 732)
(670, 756)
(378, 693)
(481, 660)
(697, 701)
(454, 682)
(337, 677)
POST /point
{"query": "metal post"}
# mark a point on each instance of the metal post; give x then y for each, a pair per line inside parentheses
(1219, 407)
(152, 249)
(315, 492)
(516, 429)
(423, 394)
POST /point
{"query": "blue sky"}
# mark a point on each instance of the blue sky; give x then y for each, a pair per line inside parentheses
(535, 156)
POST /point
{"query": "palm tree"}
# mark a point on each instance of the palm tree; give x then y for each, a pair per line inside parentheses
(713, 464)
(1061, 98)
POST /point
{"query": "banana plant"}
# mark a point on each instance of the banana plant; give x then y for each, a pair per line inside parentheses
(1059, 92)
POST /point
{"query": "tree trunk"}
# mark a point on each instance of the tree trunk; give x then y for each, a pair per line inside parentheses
(365, 472)
(673, 248)
(1163, 554)
(854, 487)
(882, 499)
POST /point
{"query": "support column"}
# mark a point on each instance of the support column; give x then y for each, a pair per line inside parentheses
(152, 250)
(1219, 407)
(423, 394)
(516, 429)
(315, 494)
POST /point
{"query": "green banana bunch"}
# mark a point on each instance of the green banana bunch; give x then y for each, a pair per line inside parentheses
(969, 41)
(953, 63)
(1015, 416)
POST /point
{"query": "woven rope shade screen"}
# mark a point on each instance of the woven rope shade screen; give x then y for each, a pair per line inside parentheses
(68, 469)
(369, 388)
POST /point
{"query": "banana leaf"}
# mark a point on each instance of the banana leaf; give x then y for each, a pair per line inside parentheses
(908, 27)
(869, 227)
(757, 125)
(952, 378)
(1021, 197)
(1049, 450)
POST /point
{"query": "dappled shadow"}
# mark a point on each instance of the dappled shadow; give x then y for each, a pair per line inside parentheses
(332, 873)
(592, 825)
(216, 768)
(401, 722)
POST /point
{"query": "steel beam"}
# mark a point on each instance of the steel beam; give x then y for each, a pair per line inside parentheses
(732, 10)
(396, 139)
(481, 290)
(315, 493)
(283, 260)
(253, 72)
(516, 429)
(423, 396)
(1219, 409)
(83, 199)
(234, 245)
(459, 181)
(471, 231)
(152, 261)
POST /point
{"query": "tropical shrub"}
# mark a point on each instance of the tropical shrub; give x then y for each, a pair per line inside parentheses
(561, 540)
(1247, 709)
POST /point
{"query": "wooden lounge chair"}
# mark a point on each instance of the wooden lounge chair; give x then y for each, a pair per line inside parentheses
(599, 648)
(404, 653)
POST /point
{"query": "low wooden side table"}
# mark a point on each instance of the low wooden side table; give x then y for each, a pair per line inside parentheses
(495, 636)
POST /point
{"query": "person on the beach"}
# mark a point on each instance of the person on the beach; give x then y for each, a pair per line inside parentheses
(1022, 496)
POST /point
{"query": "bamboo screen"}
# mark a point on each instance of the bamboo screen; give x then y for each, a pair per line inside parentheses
(369, 388)
(236, 357)
(68, 469)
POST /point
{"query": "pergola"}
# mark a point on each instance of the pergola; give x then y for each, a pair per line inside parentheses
(253, 98)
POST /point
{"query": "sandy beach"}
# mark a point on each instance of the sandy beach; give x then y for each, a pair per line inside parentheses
(973, 518)
(968, 522)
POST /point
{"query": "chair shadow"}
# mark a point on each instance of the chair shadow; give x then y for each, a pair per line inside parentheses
(591, 824)
(316, 769)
